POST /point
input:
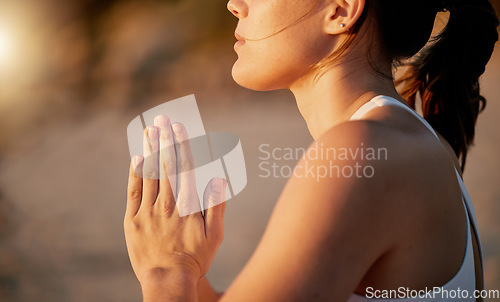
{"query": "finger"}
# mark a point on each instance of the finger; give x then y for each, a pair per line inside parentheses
(150, 166)
(214, 205)
(134, 188)
(187, 197)
(168, 171)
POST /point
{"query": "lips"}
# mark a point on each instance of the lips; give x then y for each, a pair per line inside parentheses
(240, 42)
(238, 37)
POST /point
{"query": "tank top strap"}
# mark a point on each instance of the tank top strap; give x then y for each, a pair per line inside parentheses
(472, 217)
(382, 100)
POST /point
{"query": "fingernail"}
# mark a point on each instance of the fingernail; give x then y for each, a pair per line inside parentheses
(162, 121)
(180, 133)
(177, 128)
(153, 132)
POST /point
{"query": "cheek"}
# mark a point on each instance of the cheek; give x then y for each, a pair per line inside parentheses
(276, 62)
(267, 17)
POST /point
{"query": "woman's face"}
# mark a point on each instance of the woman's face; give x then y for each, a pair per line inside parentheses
(278, 41)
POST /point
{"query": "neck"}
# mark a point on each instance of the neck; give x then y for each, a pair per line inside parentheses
(334, 96)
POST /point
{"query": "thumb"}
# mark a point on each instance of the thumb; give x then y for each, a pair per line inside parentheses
(214, 205)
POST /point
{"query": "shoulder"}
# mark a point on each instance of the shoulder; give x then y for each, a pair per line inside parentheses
(385, 158)
(330, 224)
(356, 154)
(364, 177)
(353, 178)
(346, 158)
(395, 150)
(327, 215)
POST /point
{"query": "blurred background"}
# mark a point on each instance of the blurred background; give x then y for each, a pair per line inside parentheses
(74, 73)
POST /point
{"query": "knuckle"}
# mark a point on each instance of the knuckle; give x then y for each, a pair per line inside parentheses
(165, 208)
(131, 225)
(185, 165)
(165, 136)
(168, 211)
(150, 174)
(169, 167)
(135, 195)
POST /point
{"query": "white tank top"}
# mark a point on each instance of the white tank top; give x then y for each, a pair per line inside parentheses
(464, 279)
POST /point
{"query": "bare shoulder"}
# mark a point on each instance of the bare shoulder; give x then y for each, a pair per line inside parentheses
(351, 198)
(386, 162)
(372, 174)
(369, 154)
(315, 245)
(359, 168)
(387, 178)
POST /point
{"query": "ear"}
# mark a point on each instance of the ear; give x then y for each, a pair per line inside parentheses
(343, 15)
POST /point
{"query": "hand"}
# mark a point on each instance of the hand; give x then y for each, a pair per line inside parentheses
(164, 228)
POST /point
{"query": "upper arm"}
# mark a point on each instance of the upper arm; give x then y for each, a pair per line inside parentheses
(325, 232)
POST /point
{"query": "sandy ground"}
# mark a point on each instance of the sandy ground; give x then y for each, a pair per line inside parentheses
(62, 193)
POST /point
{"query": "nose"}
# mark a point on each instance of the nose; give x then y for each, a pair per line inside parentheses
(238, 8)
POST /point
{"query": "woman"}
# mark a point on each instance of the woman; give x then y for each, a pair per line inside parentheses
(409, 227)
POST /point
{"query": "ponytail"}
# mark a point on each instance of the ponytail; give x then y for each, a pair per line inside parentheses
(446, 73)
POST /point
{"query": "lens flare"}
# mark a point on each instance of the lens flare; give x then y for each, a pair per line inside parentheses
(4, 46)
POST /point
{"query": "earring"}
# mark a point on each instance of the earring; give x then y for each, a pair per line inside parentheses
(342, 25)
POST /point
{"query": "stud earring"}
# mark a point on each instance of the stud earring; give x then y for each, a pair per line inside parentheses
(342, 25)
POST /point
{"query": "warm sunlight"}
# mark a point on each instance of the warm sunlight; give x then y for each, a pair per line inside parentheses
(4, 46)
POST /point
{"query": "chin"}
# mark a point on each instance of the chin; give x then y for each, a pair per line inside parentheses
(252, 79)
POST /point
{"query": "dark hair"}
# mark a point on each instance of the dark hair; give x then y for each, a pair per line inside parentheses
(446, 72)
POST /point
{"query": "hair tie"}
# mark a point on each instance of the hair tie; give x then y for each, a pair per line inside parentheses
(444, 5)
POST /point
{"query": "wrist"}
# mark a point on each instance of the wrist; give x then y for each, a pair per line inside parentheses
(160, 275)
(160, 282)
